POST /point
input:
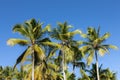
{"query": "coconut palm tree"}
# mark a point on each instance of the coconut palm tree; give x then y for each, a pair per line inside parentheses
(8, 73)
(65, 38)
(94, 45)
(105, 74)
(108, 75)
(33, 32)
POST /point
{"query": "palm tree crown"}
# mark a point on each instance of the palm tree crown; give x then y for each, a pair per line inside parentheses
(95, 45)
(95, 42)
(33, 32)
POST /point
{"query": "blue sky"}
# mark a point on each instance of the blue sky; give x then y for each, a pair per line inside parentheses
(78, 13)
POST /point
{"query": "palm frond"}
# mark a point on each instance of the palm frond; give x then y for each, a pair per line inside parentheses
(51, 53)
(83, 35)
(21, 29)
(47, 28)
(102, 51)
(53, 44)
(23, 56)
(98, 32)
(44, 40)
(71, 34)
(111, 47)
(37, 31)
(90, 57)
(84, 49)
(14, 41)
(84, 75)
(105, 36)
(39, 52)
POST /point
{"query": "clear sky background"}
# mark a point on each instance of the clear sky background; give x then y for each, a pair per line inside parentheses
(78, 13)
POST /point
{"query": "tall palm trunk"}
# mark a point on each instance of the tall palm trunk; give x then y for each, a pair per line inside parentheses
(98, 77)
(63, 65)
(33, 64)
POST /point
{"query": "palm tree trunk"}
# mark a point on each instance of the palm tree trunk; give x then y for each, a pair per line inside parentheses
(63, 65)
(98, 77)
(32, 64)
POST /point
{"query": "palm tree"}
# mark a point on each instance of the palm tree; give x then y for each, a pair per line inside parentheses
(33, 32)
(8, 73)
(64, 36)
(105, 74)
(95, 45)
(108, 75)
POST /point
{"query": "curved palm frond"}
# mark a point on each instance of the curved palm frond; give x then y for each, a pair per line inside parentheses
(84, 75)
(32, 30)
(23, 56)
(95, 43)
(14, 41)
(90, 57)
(39, 52)
(71, 34)
(21, 29)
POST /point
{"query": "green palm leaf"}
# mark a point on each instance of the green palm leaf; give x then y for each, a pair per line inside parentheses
(90, 57)
(14, 41)
(39, 52)
(53, 44)
(84, 75)
(102, 51)
(47, 28)
(105, 36)
(51, 53)
(23, 56)
(111, 46)
(71, 34)
(21, 29)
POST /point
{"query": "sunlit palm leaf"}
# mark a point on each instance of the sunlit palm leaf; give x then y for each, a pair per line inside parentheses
(90, 57)
(102, 51)
(111, 47)
(69, 54)
(84, 49)
(105, 36)
(83, 35)
(84, 75)
(39, 51)
(47, 28)
(14, 41)
(71, 34)
(53, 67)
(52, 44)
(21, 29)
